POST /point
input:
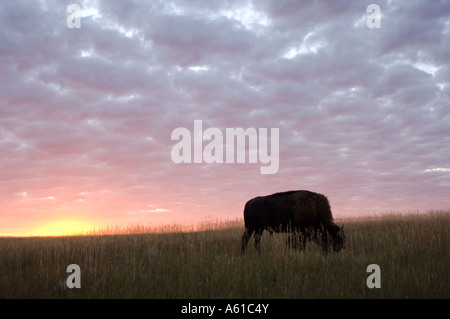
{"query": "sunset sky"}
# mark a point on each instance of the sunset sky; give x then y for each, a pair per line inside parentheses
(86, 114)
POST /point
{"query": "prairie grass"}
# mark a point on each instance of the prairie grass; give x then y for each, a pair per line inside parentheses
(205, 262)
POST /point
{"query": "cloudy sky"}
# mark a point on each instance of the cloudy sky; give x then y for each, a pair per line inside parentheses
(86, 114)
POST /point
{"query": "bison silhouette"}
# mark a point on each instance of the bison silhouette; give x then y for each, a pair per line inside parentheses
(305, 215)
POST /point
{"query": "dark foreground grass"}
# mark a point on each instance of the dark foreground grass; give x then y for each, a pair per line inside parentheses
(412, 252)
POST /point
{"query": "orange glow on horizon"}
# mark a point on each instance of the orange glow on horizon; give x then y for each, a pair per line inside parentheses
(64, 228)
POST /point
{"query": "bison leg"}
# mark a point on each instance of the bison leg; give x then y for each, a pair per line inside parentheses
(325, 242)
(258, 234)
(245, 238)
(302, 240)
(297, 241)
(291, 241)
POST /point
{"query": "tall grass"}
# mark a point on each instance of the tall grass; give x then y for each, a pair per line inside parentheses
(412, 252)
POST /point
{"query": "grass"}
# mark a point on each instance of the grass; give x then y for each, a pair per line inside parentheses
(411, 250)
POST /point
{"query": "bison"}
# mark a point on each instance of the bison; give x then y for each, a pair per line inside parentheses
(305, 215)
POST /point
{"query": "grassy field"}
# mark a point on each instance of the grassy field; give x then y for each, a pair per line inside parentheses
(411, 250)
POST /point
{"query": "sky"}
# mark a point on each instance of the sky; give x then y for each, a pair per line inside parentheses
(87, 114)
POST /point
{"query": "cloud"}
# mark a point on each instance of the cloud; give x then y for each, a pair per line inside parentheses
(438, 169)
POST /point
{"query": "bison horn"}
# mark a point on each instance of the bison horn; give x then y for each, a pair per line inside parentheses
(342, 228)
